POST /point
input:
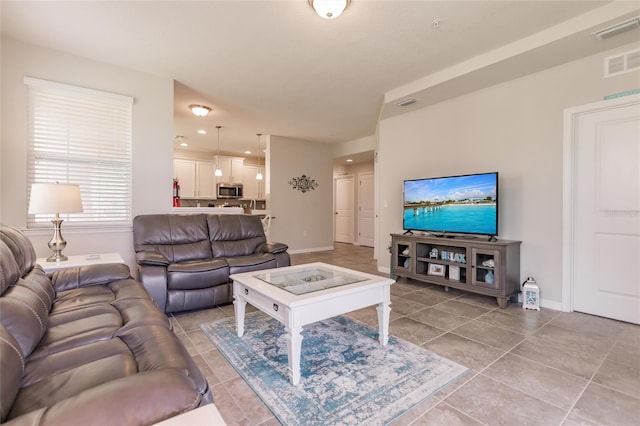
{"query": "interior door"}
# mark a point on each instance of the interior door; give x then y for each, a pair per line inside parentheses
(366, 211)
(344, 215)
(606, 212)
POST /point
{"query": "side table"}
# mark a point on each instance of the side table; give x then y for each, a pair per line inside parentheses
(80, 260)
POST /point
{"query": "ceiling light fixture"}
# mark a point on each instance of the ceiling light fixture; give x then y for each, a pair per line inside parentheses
(618, 28)
(218, 171)
(202, 132)
(329, 9)
(200, 110)
(259, 174)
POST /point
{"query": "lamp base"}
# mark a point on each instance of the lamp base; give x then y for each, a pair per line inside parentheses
(57, 257)
(57, 243)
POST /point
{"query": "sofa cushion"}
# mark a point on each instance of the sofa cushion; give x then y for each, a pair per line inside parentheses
(60, 362)
(9, 272)
(82, 326)
(70, 278)
(138, 399)
(24, 316)
(21, 248)
(85, 296)
(234, 235)
(82, 377)
(253, 262)
(179, 238)
(12, 367)
(197, 274)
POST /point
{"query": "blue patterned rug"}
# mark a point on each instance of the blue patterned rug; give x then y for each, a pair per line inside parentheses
(348, 378)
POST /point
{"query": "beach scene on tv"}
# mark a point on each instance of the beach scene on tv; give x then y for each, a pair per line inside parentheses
(457, 204)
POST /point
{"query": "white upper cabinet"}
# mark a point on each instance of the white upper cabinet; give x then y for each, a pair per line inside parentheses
(232, 169)
(196, 178)
(250, 185)
(205, 179)
(185, 172)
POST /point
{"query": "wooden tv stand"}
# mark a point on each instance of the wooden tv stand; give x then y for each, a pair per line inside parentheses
(474, 260)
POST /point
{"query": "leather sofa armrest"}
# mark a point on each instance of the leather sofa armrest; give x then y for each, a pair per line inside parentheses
(83, 276)
(272, 248)
(151, 258)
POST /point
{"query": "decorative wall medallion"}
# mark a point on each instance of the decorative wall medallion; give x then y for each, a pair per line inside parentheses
(303, 183)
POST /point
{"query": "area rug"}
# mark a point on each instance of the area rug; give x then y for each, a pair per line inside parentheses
(348, 378)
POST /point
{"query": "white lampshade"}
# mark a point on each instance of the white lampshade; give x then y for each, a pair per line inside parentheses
(55, 198)
(218, 172)
(259, 175)
(329, 9)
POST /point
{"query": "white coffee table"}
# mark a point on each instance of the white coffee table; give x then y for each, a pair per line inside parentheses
(303, 294)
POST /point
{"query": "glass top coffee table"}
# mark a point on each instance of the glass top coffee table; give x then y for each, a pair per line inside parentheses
(303, 294)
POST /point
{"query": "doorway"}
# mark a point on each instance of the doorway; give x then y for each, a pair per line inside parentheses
(601, 219)
(344, 211)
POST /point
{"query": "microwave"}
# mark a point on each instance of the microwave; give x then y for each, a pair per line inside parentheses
(229, 190)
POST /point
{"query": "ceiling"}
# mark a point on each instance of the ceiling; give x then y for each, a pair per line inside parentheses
(277, 68)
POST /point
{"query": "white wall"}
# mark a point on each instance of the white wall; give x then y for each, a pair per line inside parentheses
(302, 220)
(152, 140)
(515, 128)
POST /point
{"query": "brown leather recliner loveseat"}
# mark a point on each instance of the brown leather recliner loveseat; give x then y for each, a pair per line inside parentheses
(184, 260)
(86, 346)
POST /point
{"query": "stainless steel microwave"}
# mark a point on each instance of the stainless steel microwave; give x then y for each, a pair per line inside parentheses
(229, 190)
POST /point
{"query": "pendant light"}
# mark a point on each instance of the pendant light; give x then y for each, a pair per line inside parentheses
(218, 170)
(259, 174)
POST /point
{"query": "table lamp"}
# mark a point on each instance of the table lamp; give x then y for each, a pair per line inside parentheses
(55, 198)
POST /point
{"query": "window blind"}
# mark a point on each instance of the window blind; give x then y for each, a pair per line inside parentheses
(81, 136)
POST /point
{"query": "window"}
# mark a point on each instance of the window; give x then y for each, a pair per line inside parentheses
(81, 136)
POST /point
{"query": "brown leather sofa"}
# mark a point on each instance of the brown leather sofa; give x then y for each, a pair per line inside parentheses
(86, 346)
(184, 261)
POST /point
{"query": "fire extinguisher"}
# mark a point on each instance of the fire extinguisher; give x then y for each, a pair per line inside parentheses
(176, 193)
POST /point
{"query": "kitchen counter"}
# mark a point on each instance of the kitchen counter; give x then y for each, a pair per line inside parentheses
(210, 210)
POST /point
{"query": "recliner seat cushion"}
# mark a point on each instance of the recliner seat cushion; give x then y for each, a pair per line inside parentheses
(197, 274)
(253, 262)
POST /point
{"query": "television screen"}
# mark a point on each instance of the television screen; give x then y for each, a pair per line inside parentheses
(454, 204)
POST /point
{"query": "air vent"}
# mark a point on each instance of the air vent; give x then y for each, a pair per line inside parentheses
(622, 63)
(406, 102)
(619, 28)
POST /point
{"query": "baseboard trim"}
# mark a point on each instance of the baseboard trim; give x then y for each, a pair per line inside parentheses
(310, 250)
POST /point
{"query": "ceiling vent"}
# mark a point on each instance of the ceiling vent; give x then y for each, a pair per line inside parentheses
(622, 63)
(618, 28)
(406, 102)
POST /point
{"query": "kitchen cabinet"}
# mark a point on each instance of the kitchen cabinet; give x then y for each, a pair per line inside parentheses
(232, 169)
(205, 179)
(185, 172)
(196, 178)
(253, 188)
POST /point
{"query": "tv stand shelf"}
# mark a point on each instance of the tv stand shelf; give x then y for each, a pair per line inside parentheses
(491, 268)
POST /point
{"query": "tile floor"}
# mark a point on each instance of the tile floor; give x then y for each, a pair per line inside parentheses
(526, 367)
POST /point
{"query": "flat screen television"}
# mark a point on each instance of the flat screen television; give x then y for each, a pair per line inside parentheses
(465, 204)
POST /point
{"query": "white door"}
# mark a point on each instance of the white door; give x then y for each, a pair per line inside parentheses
(366, 213)
(605, 262)
(344, 210)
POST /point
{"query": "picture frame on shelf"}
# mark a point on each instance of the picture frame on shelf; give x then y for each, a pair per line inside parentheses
(436, 269)
(454, 273)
